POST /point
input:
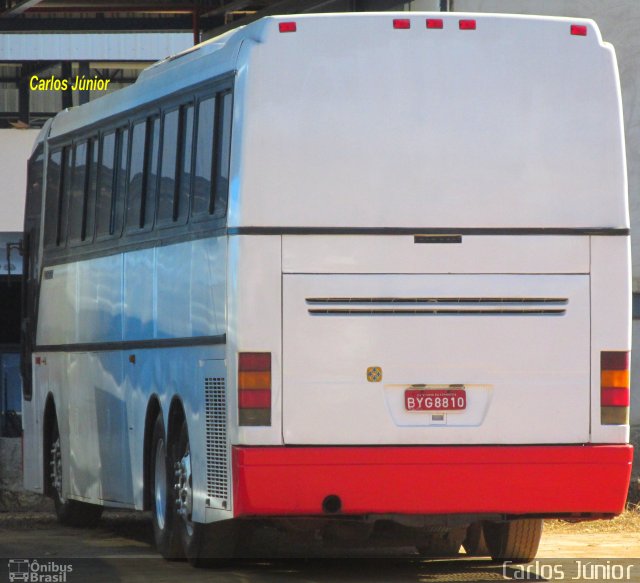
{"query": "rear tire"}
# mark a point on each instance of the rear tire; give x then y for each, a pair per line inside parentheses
(161, 487)
(516, 540)
(474, 543)
(68, 512)
(203, 544)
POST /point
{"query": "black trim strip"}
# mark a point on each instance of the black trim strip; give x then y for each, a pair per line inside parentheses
(417, 231)
(437, 312)
(432, 300)
(133, 344)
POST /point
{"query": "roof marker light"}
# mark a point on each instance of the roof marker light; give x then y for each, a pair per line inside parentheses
(578, 30)
(287, 27)
(402, 23)
(435, 23)
(467, 24)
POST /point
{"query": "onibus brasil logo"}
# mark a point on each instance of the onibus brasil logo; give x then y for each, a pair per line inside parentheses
(34, 571)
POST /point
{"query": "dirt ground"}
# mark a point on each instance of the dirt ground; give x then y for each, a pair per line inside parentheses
(616, 538)
(120, 549)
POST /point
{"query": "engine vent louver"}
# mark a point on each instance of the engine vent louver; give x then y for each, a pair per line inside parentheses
(217, 442)
(436, 306)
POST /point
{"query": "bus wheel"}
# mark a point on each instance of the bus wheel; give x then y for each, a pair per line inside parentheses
(474, 543)
(203, 544)
(515, 540)
(69, 512)
(162, 506)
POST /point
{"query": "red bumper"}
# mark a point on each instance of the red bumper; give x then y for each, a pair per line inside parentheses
(547, 480)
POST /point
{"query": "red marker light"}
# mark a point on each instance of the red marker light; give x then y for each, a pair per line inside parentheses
(287, 27)
(435, 23)
(402, 23)
(467, 24)
(578, 30)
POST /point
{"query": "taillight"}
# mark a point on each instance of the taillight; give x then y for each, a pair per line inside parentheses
(254, 388)
(614, 388)
(435, 23)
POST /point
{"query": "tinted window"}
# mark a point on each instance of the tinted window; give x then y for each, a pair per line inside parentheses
(65, 192)
(167, 189)
(92, 185)
(51, 204)
(121, 191)
(184, 186)
(105, 196)
(202, 199)
(149, 202)
(135, 216)
(224, 158)
(77, 198)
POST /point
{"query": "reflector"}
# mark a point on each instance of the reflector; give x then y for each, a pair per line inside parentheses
(402, 23)
(467, 25)
(435, 23)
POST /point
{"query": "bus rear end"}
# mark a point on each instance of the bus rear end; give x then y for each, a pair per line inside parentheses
(429, 274)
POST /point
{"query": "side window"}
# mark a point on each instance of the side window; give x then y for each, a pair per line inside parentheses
(137, 178)
(166, 194)
(121, 190)
(224, 158)
(149, 201)
(91, 192)
(54, 174)
(202, 192)
(77, 197)
(181, 208)
(105, 203)
(65, 192)
(213, 151)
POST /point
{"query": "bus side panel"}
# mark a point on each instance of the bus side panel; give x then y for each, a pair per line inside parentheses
(254, 293)
(610, 320)
(32, 416)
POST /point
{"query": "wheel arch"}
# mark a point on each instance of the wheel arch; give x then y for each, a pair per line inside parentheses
(176, 416)
(153, 410)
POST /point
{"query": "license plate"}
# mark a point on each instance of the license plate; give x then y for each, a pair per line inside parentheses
(435, 399)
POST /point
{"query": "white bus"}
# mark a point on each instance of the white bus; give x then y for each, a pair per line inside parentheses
(368, 271)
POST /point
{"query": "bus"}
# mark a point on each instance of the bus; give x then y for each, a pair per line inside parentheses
(350, 274)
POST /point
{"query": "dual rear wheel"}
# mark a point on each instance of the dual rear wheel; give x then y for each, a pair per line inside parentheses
(175, 533)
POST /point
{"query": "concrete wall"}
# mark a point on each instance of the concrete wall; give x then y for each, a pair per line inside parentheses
(618, 21)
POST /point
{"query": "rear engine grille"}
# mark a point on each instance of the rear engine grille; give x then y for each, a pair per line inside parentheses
(436, 306)
(217, 445)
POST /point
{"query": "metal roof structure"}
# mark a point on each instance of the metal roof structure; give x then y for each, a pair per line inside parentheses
(209, 16)
(115, 39)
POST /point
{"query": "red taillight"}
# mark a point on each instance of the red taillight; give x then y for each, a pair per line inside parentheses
(578, 30)
(254, 388)
(467, 25)
(614, 388)
(287, 27)
(402, 23)
(435, 23)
